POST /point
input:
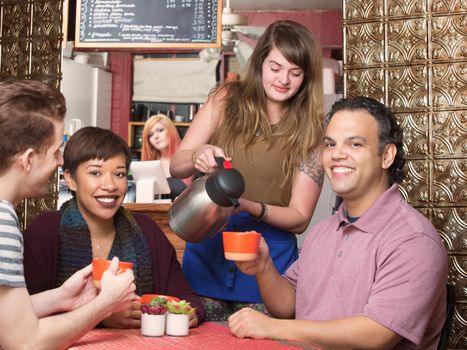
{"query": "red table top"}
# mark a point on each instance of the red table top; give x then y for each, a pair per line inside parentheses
(209, 335)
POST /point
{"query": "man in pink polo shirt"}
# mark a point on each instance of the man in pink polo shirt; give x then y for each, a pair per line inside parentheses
(371, 276)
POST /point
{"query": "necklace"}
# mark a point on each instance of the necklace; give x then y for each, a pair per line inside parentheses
(101, 248)
(100, 251)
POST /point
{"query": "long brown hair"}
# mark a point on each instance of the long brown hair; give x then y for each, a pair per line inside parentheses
(245, 112)
(148, 152)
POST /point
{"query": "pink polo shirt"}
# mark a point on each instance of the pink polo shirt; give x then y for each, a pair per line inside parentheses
(390, 266)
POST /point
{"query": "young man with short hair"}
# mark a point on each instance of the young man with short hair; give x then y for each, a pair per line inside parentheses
(31, 134)
(373, 276)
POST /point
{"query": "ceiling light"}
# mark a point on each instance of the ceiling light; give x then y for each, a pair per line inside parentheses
(209, 54)
(243, 52)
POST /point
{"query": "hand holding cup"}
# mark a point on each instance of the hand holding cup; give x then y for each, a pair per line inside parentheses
(241, 246)
(100, 265)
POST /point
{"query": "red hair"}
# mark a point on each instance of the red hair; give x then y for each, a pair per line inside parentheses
(148, 152)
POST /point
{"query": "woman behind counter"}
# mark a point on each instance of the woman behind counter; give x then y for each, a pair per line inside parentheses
(271, 125)
(93, 224)
(160, 142)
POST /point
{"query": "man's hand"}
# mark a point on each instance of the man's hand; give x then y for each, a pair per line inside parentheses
(258, 265)
(249, 323)
(117, 290)
(78, 289)
(129, 318)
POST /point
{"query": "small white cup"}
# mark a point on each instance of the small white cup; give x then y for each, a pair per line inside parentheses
(177, 324)
(179, 118)
(152, 325)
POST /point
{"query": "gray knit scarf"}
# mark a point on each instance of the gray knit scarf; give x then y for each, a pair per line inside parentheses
(129, 244)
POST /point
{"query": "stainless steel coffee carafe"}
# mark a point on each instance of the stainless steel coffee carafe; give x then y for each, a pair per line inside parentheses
(204, 208)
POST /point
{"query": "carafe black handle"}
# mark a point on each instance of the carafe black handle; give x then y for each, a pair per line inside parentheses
(220, 162)
(235, 202)
(225, 185)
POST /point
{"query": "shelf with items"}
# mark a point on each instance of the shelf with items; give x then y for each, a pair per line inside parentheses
(135, 131)
(180, 104)
(178, 112)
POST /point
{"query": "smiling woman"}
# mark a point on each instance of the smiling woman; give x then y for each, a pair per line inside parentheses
(93, 224)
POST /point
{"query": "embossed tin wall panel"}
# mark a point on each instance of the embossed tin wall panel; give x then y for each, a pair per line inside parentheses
(407, 88)
(449, 182)
(450, 85)
(402, 8)
(449, 134)
(363, 10)
(448, 7)
(417, 187)
(416, 132)
(416, 63)
(15, 19)
(452, 224)
(366, 82)
(14, 62)
(365, 44)
(46, 46)
(407, 41)
(31, 37)
(449, 37)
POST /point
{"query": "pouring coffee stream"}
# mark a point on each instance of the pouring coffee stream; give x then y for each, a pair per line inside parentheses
(203, 208)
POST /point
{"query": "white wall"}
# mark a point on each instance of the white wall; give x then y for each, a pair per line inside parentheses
(323, 209)
(88, 94)
(327, 198)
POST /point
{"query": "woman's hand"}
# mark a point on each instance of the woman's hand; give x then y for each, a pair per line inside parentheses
(188, 157)
(203, 157)
(129, 318)
(251, 207)
(193, 320)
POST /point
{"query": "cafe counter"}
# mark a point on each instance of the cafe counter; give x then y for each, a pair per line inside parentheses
(159, 213)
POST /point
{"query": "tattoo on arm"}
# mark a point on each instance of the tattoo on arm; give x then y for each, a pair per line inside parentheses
(313, 168)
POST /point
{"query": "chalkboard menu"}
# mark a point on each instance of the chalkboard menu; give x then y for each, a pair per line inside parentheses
(148, 23)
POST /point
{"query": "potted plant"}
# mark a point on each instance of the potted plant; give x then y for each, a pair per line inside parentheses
(178, 317)
(153, 317)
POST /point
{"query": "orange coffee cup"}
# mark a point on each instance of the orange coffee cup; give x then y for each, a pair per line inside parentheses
(100, 265)
(146, 298)
(241, 246)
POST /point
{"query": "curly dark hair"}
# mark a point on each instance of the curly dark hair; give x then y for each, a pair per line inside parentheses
(389, 131)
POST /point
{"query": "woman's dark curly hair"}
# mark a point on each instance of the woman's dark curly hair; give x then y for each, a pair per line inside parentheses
(389, 131)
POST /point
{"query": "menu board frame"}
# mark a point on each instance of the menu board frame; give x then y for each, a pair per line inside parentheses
(166, 43)
(64, 23)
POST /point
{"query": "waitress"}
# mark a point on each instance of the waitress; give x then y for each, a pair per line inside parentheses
(270, 125)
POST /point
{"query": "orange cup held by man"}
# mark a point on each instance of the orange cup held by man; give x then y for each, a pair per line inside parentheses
(241, 246)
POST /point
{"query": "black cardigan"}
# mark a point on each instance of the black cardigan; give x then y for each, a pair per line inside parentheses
(41, 247)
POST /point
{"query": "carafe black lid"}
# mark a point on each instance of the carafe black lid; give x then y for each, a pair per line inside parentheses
(225, 185)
